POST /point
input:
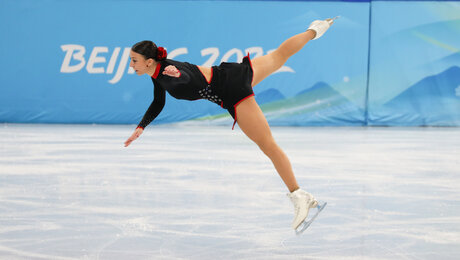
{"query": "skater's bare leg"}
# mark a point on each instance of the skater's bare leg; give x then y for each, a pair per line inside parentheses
(252, 122)
(265, 65)
(250, 118)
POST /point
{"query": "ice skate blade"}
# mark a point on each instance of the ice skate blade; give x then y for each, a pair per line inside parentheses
(332, 20)
(306, 223)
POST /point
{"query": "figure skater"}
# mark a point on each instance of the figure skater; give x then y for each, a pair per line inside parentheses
(230, 86)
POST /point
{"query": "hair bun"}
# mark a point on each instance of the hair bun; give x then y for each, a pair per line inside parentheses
(161, 54)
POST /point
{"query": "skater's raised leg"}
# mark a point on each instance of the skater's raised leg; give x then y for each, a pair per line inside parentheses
(265, 65)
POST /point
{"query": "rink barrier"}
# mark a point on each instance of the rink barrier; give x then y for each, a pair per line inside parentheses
(371, 68)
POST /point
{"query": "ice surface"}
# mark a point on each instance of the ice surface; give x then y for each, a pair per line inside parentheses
(206, 192)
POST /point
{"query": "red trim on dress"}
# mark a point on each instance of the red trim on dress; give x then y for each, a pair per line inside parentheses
(157, 71)
(212, 72)
(250, 64)
(234, 107)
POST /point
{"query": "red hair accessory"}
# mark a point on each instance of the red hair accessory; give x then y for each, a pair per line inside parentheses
(161, 54)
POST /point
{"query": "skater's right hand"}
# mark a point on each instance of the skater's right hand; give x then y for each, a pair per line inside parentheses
(134, 136)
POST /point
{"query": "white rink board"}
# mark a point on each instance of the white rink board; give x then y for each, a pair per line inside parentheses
(206, 192)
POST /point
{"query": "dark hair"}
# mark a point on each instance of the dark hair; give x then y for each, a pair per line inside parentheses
(149, 50)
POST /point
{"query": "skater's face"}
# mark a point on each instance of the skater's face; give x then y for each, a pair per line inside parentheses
(140, 64)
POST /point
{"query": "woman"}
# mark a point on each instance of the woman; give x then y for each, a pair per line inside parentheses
(230, 86)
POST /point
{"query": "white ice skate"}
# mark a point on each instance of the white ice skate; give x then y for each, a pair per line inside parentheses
(303, 202)
(321, 26)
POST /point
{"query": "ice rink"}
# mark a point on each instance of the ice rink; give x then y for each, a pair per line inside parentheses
(206, 192)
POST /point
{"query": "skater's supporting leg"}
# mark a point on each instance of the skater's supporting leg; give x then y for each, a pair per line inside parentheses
(252, 122)
(265, 65)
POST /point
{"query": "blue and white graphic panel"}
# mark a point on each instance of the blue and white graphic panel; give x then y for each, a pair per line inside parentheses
(415, 64)
(68, 61)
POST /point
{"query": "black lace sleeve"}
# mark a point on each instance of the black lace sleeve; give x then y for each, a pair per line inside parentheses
(159, 99)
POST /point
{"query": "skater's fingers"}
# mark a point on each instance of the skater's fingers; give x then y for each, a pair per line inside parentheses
(128, 142)
(134, 136)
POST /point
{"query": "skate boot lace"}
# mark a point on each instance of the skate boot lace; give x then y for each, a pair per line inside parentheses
(311, 202)
(296, 208)
(296, 205)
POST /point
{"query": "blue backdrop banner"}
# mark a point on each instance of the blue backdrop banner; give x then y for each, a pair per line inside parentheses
(415, 64)
(68, 61)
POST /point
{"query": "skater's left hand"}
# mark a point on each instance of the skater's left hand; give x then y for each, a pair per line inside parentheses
(134, 136)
